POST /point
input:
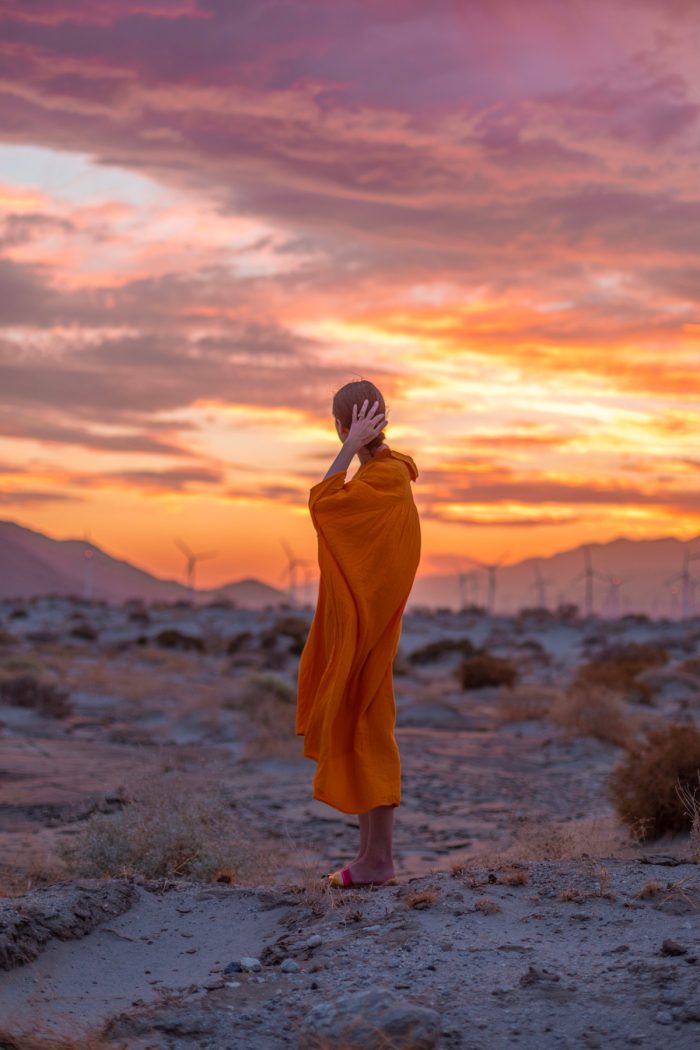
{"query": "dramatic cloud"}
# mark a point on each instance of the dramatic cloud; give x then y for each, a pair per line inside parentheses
(214, 214)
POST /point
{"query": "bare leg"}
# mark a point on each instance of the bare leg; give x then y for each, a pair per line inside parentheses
(375, 862)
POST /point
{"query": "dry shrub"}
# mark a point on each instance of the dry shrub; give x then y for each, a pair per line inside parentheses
(616, 669)
(477, 672)
(434, 651)
(570, 895)
(421, 900)
(525, 702)
(513, 876)
(28, 691)
(486, 906)
(294, 628)
(649, 889)
(690, 800)
(691, 666)
(643, 786)
(173, 638)
(169, 829)
(269, 701)
(595, 711)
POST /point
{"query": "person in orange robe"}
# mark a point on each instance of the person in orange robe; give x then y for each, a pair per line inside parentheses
(369, 545)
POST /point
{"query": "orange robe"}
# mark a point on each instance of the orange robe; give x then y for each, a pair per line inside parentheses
(368, 552)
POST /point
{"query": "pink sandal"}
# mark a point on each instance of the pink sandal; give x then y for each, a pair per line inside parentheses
(343, 879)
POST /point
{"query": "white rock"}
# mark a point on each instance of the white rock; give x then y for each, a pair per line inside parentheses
(249, 964)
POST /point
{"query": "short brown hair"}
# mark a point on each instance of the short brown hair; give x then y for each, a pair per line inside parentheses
(354, 394)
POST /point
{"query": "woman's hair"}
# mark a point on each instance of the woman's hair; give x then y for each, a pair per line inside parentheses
(354, 394)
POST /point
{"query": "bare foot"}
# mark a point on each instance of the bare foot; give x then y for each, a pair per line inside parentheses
(370, 871)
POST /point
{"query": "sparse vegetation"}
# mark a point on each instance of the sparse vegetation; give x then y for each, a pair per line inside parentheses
(32, 1039)
(477, 672)
(434, 651)
(616, 669)
(487, 906)
(168, 829)
(172, 638)
(27, 690)
(421, 900)
(643, 786)
(269, 700)
(593, 710)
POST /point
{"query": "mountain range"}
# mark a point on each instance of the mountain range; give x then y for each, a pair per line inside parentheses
(625, 576)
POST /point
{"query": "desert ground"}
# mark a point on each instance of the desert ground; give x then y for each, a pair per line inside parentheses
(161, 856)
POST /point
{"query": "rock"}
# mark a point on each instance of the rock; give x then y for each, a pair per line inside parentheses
(670, 947)
(663, 1017)
(372, 1018)
(289, 966)
(213, 983)
(313, 941)
(250, 965)
(233, 967)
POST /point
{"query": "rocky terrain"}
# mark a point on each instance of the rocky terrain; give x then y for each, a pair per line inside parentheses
(160, 852)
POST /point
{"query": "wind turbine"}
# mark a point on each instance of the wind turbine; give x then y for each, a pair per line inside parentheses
(612, 597)
(540, 584)
(88, 555)
(463, 578)
(588, 574)
(491, 568)
(192, 560)
(687, 581)
(293, 563)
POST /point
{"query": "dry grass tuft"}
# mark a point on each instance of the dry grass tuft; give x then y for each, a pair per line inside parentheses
(513, 875)
(482, 670)
(525, 702)
(26, 690)
(168, 830)
(593, 710)
(649, 889)
(421, 900)
(617, 667)
(571, 895)
(487, 906)
(644, 786)
(690, 800)
(269, 701)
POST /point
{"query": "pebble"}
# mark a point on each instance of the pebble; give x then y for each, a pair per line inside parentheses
(313, 941)
(673, 996)
(233, 967)
(250, 965)
(289, 966)
(663, 1017)
(212, 983)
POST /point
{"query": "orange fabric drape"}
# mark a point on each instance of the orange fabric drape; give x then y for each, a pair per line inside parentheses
(369, 544)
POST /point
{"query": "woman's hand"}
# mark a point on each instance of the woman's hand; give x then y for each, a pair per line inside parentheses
(365, 425)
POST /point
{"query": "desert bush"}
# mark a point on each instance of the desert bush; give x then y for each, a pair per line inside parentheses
(476, 672)
(616, 668)
(524, 702)
(644, 784)
(592, 711)
(238, 641)
(168, 829)
(84, 630)
(26, 690)
(296, 628)
(691, 666)
(434, 651)
(270, 702)
(172, 638)
(18, 614)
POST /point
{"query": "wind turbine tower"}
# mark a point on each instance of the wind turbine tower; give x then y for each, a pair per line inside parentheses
(589, 574)
(88, 557)
(293, 563)
(191, 562)
(540, 584)
(687, 582)
(491, 568)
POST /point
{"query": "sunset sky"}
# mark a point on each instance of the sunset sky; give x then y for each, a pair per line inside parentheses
(216, 212)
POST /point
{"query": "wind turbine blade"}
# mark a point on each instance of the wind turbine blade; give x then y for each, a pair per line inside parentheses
(183, 547)
(287, 549)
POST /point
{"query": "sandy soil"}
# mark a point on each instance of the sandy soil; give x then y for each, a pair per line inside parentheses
(570, 956)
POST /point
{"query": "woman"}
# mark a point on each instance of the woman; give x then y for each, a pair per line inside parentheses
(368, 551)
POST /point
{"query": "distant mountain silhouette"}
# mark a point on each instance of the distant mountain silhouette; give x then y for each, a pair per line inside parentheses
(32, 563)
(642, 566)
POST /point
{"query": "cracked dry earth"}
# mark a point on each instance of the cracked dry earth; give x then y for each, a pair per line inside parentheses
(549, 954)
